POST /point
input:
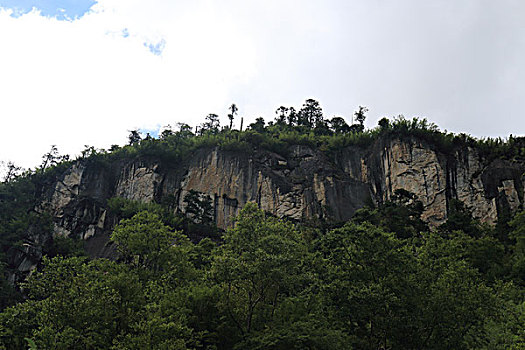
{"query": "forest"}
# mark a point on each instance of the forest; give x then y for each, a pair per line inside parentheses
(383, 280)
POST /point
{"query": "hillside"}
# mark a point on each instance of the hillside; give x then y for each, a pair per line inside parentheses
(306, 178)
(404, 176)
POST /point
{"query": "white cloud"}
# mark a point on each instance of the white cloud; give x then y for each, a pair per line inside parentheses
(83, 82)
(90, 80)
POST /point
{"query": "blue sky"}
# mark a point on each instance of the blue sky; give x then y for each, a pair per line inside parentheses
(89, 74)
(61, 9)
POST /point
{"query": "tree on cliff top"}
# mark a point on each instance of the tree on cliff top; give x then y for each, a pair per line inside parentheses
(211, 124)
(360, 115)
(233, 109)
(134, 137)
(311, 114)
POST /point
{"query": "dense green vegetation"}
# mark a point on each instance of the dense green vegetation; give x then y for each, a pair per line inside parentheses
(271, 284)
(308, 126)
(381, 281)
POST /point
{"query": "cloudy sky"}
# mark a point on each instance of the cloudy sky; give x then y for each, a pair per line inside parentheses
(85, 72)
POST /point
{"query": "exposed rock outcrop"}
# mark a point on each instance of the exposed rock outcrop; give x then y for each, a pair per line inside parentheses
(304, 184)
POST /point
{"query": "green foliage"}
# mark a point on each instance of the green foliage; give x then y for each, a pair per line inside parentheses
(17, 323)
(8, 294)
(65, 246)
(307, 333)
(199, 207)
(365, 277)
(310, 115)
(517, 258)
(134, 137)
(74, 303)
(270, 285)
(339, 125)
(31, 343)
(460, 218)
(144, 240)
(233, 109)
(199, 211)
(16, 200)
(260, 261)
(125, 209)
(394, 294)
(401, 215)
(160, 324)
(18, 221)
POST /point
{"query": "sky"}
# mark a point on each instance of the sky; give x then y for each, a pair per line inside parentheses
(86, 72)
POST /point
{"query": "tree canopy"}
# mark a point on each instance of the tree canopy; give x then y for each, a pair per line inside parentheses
(271, 284)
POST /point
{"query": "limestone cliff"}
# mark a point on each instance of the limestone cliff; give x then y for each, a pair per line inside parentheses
(306, 183)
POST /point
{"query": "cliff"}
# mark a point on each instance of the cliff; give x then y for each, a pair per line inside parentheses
(303, 184)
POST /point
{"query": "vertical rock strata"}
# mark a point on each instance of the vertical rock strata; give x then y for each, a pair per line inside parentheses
(305, 184)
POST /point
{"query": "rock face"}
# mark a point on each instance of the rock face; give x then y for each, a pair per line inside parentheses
(305, 184)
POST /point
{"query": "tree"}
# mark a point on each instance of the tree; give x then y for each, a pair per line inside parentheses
(459, 217)
(134, 137)
(184, 132)
(184, 128)
(356, 128)
(390, 293)
(233, 109)
(291, 118)
(455, 302)
(260, 262)
(518, 248)
(311, 114)
(365, 278)
(167, 131)
(143, 240)
(339, 125)
(282, 113)
(360, 115)
(12, 171)
(88, 151)
(258, 125)
(211, 124)
(383, 123)
(50, 158)
(7, 291)
(401, 215)
(199, 207)
(74, 303)
(114, 148)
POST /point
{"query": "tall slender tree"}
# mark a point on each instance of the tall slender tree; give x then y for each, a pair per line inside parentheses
(50, 158)
(233, 109)
(360, 115)
(282, 113)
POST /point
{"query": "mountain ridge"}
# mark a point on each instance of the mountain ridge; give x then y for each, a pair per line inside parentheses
(304, 185)
(292, 177)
